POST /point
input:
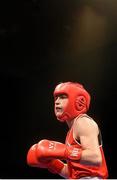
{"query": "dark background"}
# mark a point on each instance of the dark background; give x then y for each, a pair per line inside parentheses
(44, 42)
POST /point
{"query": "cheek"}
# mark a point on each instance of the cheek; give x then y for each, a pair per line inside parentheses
(65, 103)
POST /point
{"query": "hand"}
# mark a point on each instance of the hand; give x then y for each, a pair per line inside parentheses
(54, 166)
(48, 150)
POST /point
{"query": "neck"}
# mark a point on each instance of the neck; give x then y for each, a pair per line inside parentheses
(70, 123)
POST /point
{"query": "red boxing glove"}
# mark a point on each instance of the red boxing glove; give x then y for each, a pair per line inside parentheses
(32, 159)
(55, 166)
(47, 150)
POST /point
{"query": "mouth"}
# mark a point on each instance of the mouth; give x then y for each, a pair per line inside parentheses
(58, 109)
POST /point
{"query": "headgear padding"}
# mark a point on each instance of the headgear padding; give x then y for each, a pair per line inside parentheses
(78, 99)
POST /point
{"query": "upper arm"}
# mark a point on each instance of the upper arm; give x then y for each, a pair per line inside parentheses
(86, 130)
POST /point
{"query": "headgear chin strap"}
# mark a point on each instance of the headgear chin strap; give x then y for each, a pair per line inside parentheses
(78, 100)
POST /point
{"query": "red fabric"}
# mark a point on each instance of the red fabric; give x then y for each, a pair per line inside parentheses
(77, 170)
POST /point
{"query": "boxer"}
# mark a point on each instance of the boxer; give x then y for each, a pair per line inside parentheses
(82, 155)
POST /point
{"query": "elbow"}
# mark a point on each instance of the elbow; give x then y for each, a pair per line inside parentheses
(98, 160)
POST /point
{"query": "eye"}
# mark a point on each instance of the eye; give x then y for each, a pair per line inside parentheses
(63, 96)
(55, 98)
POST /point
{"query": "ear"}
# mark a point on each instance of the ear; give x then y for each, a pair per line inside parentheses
(80, 103)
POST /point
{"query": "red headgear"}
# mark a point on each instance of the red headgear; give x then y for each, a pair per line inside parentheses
(79, 99)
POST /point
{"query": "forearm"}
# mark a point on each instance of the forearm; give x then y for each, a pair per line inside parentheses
(49, 150)
(91, 157)
(64, 172)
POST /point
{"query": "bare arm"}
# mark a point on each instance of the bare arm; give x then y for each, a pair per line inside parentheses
(64, 172)
(87, 131)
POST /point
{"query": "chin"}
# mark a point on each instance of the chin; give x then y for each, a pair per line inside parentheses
(58, 116)
(59, 119)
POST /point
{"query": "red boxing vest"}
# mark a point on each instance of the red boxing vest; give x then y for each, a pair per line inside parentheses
(77, 170)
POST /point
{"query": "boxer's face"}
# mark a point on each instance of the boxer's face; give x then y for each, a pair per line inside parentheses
(61, 102)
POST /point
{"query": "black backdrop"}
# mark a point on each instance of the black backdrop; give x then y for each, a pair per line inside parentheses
(37, 52)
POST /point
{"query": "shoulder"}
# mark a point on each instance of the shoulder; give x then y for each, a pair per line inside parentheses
(85, 124)
(86, 120)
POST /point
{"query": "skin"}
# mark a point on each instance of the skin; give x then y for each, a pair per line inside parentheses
(61, 102)
(85, 130)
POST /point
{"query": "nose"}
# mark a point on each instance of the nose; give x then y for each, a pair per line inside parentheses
(57, 100)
